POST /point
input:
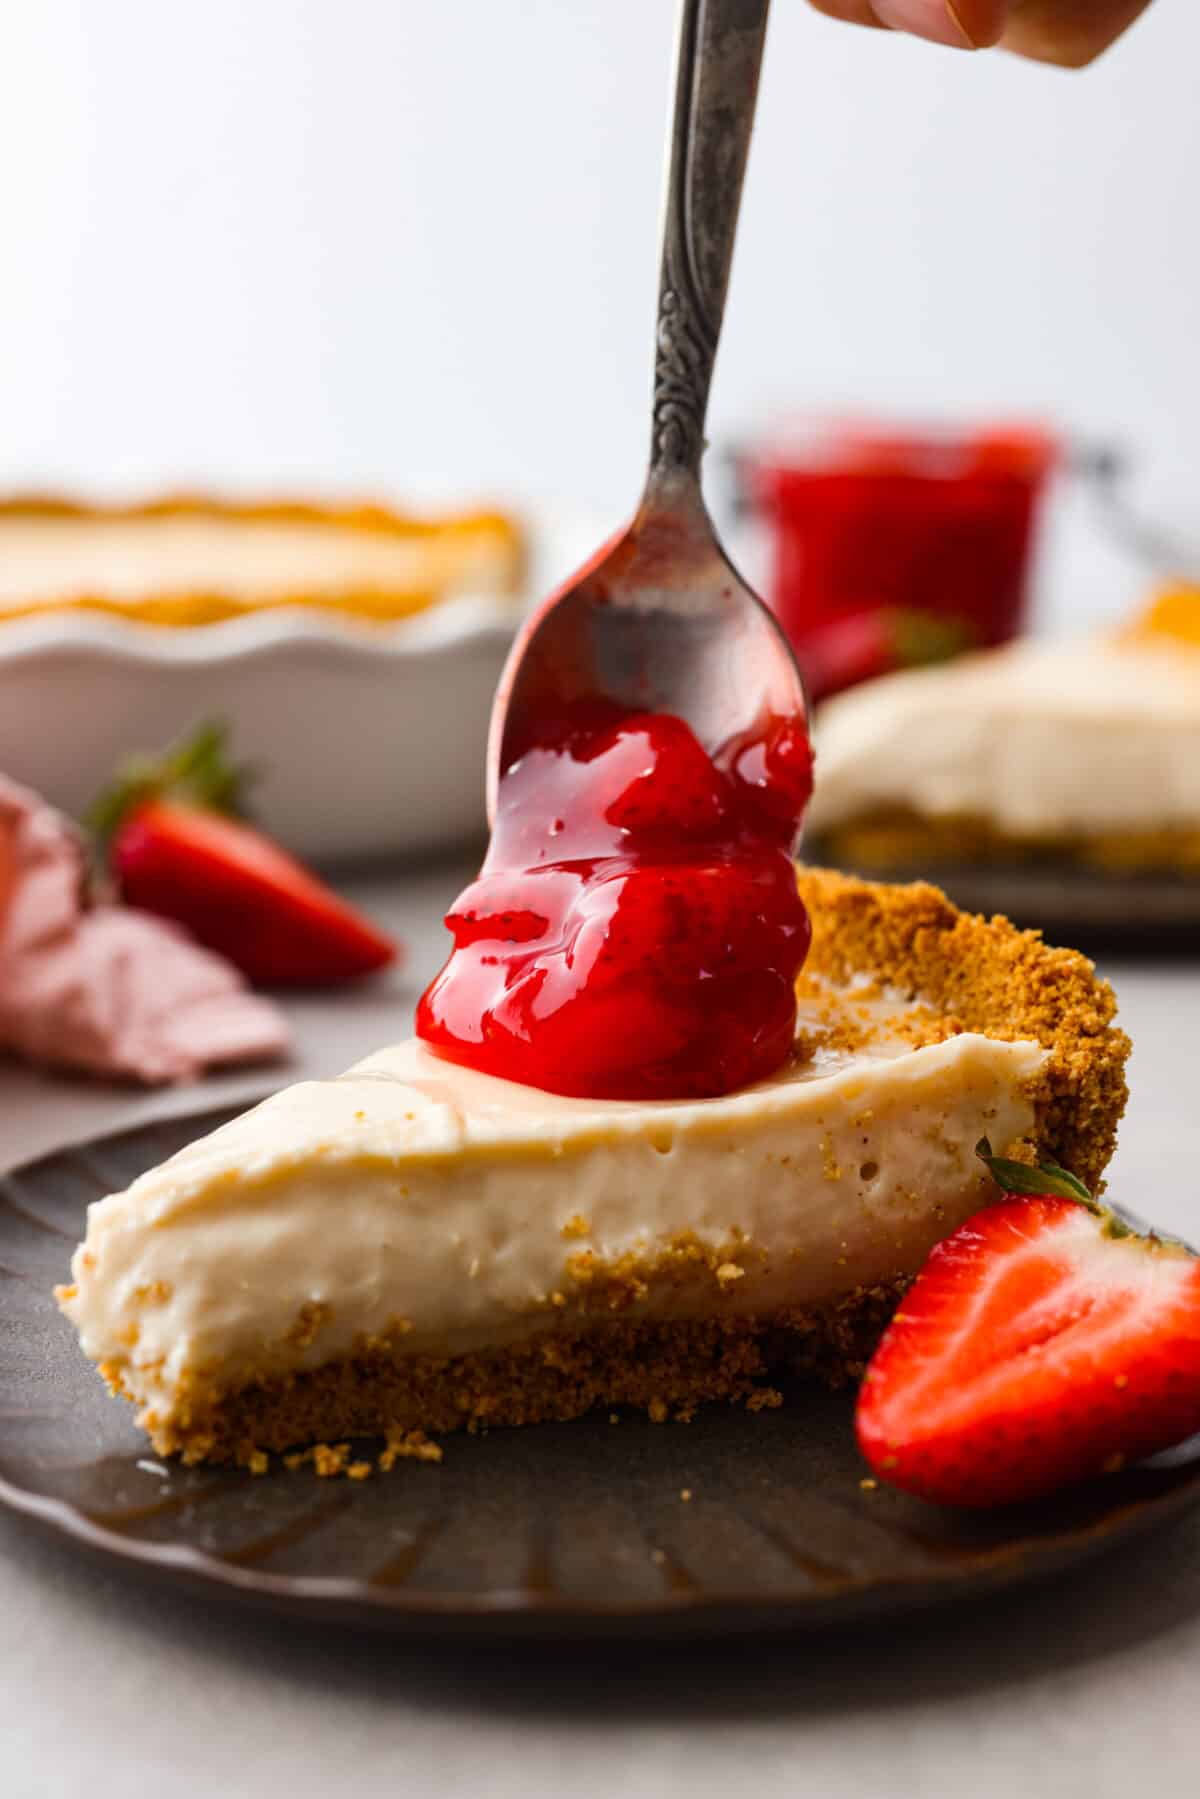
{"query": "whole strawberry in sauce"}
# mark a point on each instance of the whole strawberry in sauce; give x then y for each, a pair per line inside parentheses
(635, 931)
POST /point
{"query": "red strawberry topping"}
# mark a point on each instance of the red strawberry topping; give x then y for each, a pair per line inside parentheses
(636, 930)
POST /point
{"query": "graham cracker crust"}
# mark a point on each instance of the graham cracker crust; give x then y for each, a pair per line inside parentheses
(983, 974)
(666, 1370)
(893, 839)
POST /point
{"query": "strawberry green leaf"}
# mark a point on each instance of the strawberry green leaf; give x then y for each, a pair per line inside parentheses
(1047, 1177)
(196, 771)
(921, 637)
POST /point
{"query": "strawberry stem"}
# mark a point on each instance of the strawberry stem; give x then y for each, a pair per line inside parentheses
(1047, 1177)
(923, 637)
(196, 771)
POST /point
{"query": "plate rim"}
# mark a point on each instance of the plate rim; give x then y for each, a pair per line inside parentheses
(183, 1563)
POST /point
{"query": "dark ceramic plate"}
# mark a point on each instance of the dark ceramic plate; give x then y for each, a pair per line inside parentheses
(1072, 906)
(731, 1523)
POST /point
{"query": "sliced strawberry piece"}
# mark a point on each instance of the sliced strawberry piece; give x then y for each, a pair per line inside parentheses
(172, 849)
(238, 893)
(1042, 1344)
(685, 922)
(664, 784)
(775, 773)
(495, 908)
(583, 1038)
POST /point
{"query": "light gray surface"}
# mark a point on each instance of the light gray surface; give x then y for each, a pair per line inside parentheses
(1087, 1688)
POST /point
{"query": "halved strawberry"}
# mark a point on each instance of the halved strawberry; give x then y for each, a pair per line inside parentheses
(1042, 1343)
(173, 848)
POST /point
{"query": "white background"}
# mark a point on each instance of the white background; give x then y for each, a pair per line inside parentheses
(358, 242)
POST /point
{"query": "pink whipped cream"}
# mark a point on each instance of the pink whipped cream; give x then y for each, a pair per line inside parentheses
(107, 989)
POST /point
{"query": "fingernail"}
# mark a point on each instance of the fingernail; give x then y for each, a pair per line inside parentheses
(936, 20)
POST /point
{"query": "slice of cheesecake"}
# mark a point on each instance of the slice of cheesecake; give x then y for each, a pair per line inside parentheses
(197, 561)
(1073, 754)
(418, 1245)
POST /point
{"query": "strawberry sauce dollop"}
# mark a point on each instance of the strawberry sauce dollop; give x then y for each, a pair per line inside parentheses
(635, 932)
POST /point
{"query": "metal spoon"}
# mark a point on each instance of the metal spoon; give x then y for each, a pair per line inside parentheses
(659, 620)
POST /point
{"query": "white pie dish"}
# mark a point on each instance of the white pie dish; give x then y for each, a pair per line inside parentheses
(369, 739)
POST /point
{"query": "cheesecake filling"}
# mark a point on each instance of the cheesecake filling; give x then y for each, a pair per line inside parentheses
(1041, 741)
(435, 1210)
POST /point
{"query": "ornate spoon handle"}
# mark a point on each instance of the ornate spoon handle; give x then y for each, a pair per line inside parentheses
(720, 52)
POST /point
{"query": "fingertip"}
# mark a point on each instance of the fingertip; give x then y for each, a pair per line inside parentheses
(848, 12)
(982, 22)
(934, 20)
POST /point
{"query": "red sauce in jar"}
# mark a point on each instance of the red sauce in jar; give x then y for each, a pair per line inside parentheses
(934, 525)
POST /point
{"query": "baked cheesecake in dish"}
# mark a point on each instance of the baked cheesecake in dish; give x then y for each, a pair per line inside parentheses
(1077, 753)
(196, 561)
(422, 1245)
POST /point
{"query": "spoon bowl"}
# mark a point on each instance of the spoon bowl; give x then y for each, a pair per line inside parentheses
(659, 620)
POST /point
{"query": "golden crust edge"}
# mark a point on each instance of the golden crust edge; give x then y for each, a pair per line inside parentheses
(212, 606)
(986, 975)
(890, 840)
